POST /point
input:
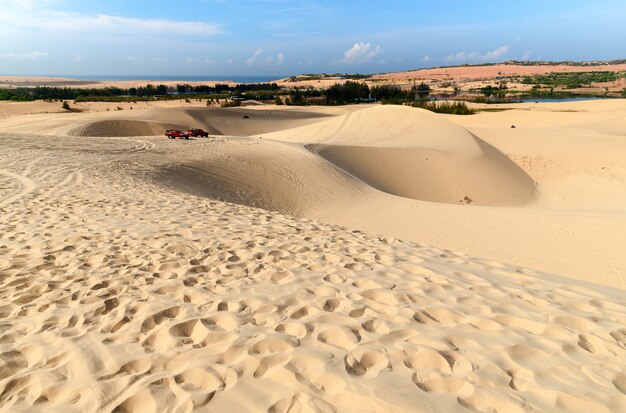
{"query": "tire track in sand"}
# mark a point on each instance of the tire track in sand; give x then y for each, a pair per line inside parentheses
(24, 184)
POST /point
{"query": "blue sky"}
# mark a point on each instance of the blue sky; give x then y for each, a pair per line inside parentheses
(282, 37)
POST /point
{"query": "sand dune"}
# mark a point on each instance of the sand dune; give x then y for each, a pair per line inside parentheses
(386, 126)
(216, 121)
(491, 179)
(123, 127)
(454, 168)
(140, 274)
(138, 298)
(259, 120)
(261, 173)
(577, 165)
(415, 154)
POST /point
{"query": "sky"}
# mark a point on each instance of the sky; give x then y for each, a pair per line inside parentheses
(287, 37)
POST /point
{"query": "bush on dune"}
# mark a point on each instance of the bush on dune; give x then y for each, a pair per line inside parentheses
(453, 108)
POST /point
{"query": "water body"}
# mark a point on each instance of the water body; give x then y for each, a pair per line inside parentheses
(182, 79)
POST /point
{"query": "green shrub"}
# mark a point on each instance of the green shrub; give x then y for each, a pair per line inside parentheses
(570, 79)
(454, 108)
(65, 105)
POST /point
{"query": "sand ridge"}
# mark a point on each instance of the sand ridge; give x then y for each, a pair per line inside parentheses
(194, 304)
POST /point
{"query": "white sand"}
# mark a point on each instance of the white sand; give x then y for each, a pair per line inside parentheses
(127, 285)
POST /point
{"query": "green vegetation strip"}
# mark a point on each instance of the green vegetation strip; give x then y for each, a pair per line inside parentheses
(573, 80)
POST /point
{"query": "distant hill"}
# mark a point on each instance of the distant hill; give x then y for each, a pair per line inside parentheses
(573, 63)
(565, 63)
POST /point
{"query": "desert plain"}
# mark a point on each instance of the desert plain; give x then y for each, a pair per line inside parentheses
(361, 258)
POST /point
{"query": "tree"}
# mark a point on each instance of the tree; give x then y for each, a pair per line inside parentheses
(487, 91)
(182, 88)
(387, 93)
(421, 91)
(348, 92)
(65, 105)
(296, 97)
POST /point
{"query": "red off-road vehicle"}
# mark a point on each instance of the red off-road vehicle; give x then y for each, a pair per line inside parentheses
(173, 134)
(198, 132)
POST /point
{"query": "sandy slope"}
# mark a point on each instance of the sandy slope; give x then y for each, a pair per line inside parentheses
(415, 154)
(127, 285)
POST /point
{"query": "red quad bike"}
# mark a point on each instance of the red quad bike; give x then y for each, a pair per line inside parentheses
(173, 134)
(198, 132)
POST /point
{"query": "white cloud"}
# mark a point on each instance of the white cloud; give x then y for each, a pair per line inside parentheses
(120, 25)
(360, 53)
(230, 61)
(23, 55)
(253, 59)
(498, 53)
(269, 60)
(78, 58)
(462, 56)
(458, 56)
(474, 56)
(38, 16)
(11, 7)
(527, 55)
(426, 58)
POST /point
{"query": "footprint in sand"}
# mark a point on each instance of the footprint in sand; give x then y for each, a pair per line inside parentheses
(620, 337)
(302, 403)
(142, 401)
(620, 383)
(366, 362)
(486, 400)
(340, 337)
(275, 353)
(136, 367)
(426, 359)
(194, 330)
(200, 380)
(157, 318)
(294, 329)
(431, 382)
